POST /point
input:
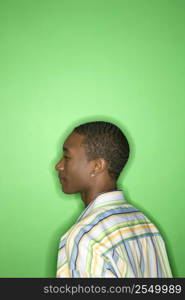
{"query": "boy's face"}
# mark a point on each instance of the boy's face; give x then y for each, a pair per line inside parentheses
(74, 170)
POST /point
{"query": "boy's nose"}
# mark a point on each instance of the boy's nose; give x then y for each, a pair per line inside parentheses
(59, 166)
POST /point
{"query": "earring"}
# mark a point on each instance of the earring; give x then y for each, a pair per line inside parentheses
(92, 174)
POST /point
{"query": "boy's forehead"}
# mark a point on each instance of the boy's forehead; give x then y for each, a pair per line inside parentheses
(73, 141)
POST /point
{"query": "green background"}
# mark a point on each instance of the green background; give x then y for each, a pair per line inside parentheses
(65, 62)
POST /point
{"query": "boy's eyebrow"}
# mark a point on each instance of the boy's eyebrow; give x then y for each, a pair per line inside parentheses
(65, 149)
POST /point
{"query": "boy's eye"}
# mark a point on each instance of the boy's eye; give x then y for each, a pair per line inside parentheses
(66, 157)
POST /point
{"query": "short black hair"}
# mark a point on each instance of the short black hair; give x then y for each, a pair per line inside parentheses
(105, 140)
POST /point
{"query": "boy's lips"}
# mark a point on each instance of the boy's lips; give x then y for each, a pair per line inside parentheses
(62, 177)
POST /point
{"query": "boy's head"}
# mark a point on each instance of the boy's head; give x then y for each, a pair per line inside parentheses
(94, 153)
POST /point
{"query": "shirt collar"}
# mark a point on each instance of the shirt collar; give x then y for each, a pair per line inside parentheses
(115, 197)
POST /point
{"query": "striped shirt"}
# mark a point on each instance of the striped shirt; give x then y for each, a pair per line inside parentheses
(112, 238)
